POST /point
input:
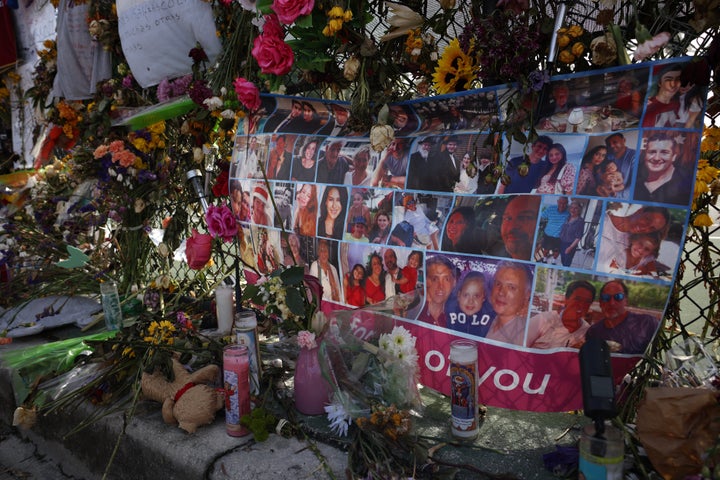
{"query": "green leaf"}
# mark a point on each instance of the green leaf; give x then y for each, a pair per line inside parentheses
(292, 276)
(295, 302)
(264, 6)
(250, 292)
(305, 21)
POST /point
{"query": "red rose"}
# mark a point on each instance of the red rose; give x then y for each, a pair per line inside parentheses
(273, 54)
(289, 10)
(220, 188)
(272, 27)
(197, 250)
(247, 93)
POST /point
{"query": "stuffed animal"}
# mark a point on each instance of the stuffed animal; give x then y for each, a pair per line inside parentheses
(187, 401)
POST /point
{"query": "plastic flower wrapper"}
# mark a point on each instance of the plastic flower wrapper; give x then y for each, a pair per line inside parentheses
(371, 360)
(690, 365)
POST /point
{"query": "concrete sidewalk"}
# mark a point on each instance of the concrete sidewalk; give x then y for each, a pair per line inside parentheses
(510, 442)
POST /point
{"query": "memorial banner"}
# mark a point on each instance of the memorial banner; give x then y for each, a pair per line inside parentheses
(580, 237)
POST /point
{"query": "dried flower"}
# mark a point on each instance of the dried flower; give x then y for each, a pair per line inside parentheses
(604, 50)
(351, 68)
(381, 136)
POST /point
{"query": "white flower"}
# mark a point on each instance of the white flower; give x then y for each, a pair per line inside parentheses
(213, 103)
(338, 418)
(249, 5)
(403, 20)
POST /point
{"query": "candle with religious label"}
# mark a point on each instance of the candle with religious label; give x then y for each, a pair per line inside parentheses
(236, 371)
(246, 334)
(224, 308)
(463, 389)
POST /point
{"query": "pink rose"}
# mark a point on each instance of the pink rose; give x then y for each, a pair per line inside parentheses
(197, 250)
(221, 222)
(289, 10)
(272, 27)
(273, 54)
(247, 93)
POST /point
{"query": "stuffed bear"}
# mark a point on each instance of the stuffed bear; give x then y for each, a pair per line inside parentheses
(187, 401)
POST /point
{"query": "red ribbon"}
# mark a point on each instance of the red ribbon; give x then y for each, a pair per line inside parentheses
(184, 389)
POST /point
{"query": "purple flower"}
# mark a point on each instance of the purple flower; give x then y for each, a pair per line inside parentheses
(180, 86)
(199, 92)
(127, 81)
(164, 90)
(538, 78)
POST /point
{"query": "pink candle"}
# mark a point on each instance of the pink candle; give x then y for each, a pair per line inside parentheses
(236, 375)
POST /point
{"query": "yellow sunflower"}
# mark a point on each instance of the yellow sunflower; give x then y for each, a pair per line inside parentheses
(455, 69)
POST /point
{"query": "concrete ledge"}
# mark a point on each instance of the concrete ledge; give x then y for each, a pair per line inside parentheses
(510, 442)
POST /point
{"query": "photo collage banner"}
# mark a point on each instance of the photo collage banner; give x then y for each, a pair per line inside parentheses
(579, 237)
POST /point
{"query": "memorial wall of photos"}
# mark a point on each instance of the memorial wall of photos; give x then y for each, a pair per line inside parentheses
(581, 237)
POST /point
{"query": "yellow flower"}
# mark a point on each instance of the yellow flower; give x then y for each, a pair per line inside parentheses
(563, 40)
(703, 220)
(335, 12)
(578, 49)
(141, 144)
(575, 31)
(566, 56)
(455, 70)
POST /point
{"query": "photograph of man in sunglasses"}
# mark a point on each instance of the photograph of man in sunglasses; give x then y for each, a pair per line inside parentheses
(625, 331)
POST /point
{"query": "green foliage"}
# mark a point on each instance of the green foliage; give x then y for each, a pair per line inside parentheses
(260, 422)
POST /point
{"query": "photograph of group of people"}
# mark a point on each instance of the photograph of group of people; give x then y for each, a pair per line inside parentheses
(535, 245)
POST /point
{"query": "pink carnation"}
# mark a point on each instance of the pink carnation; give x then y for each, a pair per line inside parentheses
(247, 93)
(273, 54)
(221, 222)
(101, 151)
(124, 157)
(289, 10)
(116, 146)
(650, 47)
(306, 339)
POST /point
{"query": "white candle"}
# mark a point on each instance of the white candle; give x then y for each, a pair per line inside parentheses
(224, 308)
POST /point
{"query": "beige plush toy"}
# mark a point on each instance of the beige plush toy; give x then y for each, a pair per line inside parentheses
(186, 401)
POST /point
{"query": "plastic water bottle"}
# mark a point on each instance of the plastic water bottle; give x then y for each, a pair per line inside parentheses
(111, 305)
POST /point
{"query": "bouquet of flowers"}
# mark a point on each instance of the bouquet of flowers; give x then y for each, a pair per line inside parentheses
(375, 391)
(290, 297)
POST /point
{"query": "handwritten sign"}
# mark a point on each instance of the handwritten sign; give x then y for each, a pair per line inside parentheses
(157, 36)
